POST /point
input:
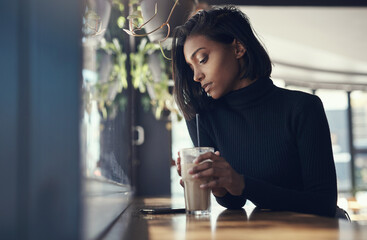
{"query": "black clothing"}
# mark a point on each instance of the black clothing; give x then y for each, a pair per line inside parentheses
(280, 141)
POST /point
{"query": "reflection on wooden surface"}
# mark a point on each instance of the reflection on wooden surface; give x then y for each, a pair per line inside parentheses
(248, 223)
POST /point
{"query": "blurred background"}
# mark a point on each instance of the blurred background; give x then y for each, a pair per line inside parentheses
(87, 117)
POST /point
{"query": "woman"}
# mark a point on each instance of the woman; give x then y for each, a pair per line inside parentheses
(273, 145)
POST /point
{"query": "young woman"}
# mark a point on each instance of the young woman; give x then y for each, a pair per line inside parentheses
(272, 145)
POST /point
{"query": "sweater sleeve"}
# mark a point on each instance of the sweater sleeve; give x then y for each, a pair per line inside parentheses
(231, 202)
(319, 193)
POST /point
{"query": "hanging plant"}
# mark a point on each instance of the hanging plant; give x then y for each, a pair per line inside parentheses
(158, 89)
(106, 90)
(161, 17)
(105, 73)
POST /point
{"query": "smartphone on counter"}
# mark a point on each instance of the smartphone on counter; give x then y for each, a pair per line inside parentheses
(162, 210)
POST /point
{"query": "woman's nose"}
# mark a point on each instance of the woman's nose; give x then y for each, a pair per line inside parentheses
(198, 76)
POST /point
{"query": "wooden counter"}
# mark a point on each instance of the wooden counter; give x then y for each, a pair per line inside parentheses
(248, 223)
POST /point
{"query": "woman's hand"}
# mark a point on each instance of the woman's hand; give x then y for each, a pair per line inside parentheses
(178, 164)
(224, 177)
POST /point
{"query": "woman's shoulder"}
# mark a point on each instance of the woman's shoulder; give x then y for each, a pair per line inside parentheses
(299, 97)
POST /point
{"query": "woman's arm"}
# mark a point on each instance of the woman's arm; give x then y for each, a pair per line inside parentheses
(319, 193)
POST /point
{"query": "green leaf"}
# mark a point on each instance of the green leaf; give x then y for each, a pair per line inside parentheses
(121, 22)
(135, 14)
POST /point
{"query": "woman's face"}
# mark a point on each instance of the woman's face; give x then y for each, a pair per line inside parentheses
(216, 66)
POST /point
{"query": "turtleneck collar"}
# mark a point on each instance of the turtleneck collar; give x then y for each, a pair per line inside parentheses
(250, 95)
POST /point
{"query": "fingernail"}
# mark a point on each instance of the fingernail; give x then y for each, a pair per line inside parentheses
(195, 176)
(202, 185)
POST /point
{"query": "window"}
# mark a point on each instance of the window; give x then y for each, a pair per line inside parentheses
(336, 108)
(105, 124)
(180, 139)
(359, 109)
(359, 113)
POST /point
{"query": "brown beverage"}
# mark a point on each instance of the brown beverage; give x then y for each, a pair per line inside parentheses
(197, 200)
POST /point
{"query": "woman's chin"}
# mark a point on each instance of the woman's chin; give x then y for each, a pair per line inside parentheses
(214, 95)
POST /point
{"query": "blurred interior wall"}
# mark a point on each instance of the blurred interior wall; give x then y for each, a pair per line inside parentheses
(154, 155)
(40, 67)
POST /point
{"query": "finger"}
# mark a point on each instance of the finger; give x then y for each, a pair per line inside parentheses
(178, 164)
(200, 167)
(220, 165)
(178, 161)
(208, 156)
(179, 169)
(211, 172)
(215, 183)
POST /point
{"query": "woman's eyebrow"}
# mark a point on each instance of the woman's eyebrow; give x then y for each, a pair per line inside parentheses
(197, 50)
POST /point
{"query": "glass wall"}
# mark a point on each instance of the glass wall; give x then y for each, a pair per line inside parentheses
(106, 144)
(336, 108)
(359, 113)
(105, 130)
(180, 139)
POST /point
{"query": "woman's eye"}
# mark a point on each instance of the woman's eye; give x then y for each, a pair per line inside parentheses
(203, 60)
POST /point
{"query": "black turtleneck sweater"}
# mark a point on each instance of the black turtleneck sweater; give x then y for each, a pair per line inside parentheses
(279, 140)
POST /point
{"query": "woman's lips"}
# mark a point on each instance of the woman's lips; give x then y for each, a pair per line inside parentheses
(207, 87)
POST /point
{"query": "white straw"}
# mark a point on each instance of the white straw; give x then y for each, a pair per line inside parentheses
(197, 129)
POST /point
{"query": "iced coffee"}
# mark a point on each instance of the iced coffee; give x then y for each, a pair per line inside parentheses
(197, 200)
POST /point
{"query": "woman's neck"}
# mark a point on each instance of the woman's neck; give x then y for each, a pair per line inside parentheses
(244, 82)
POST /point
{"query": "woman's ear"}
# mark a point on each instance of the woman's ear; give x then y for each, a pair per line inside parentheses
(239, 49)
